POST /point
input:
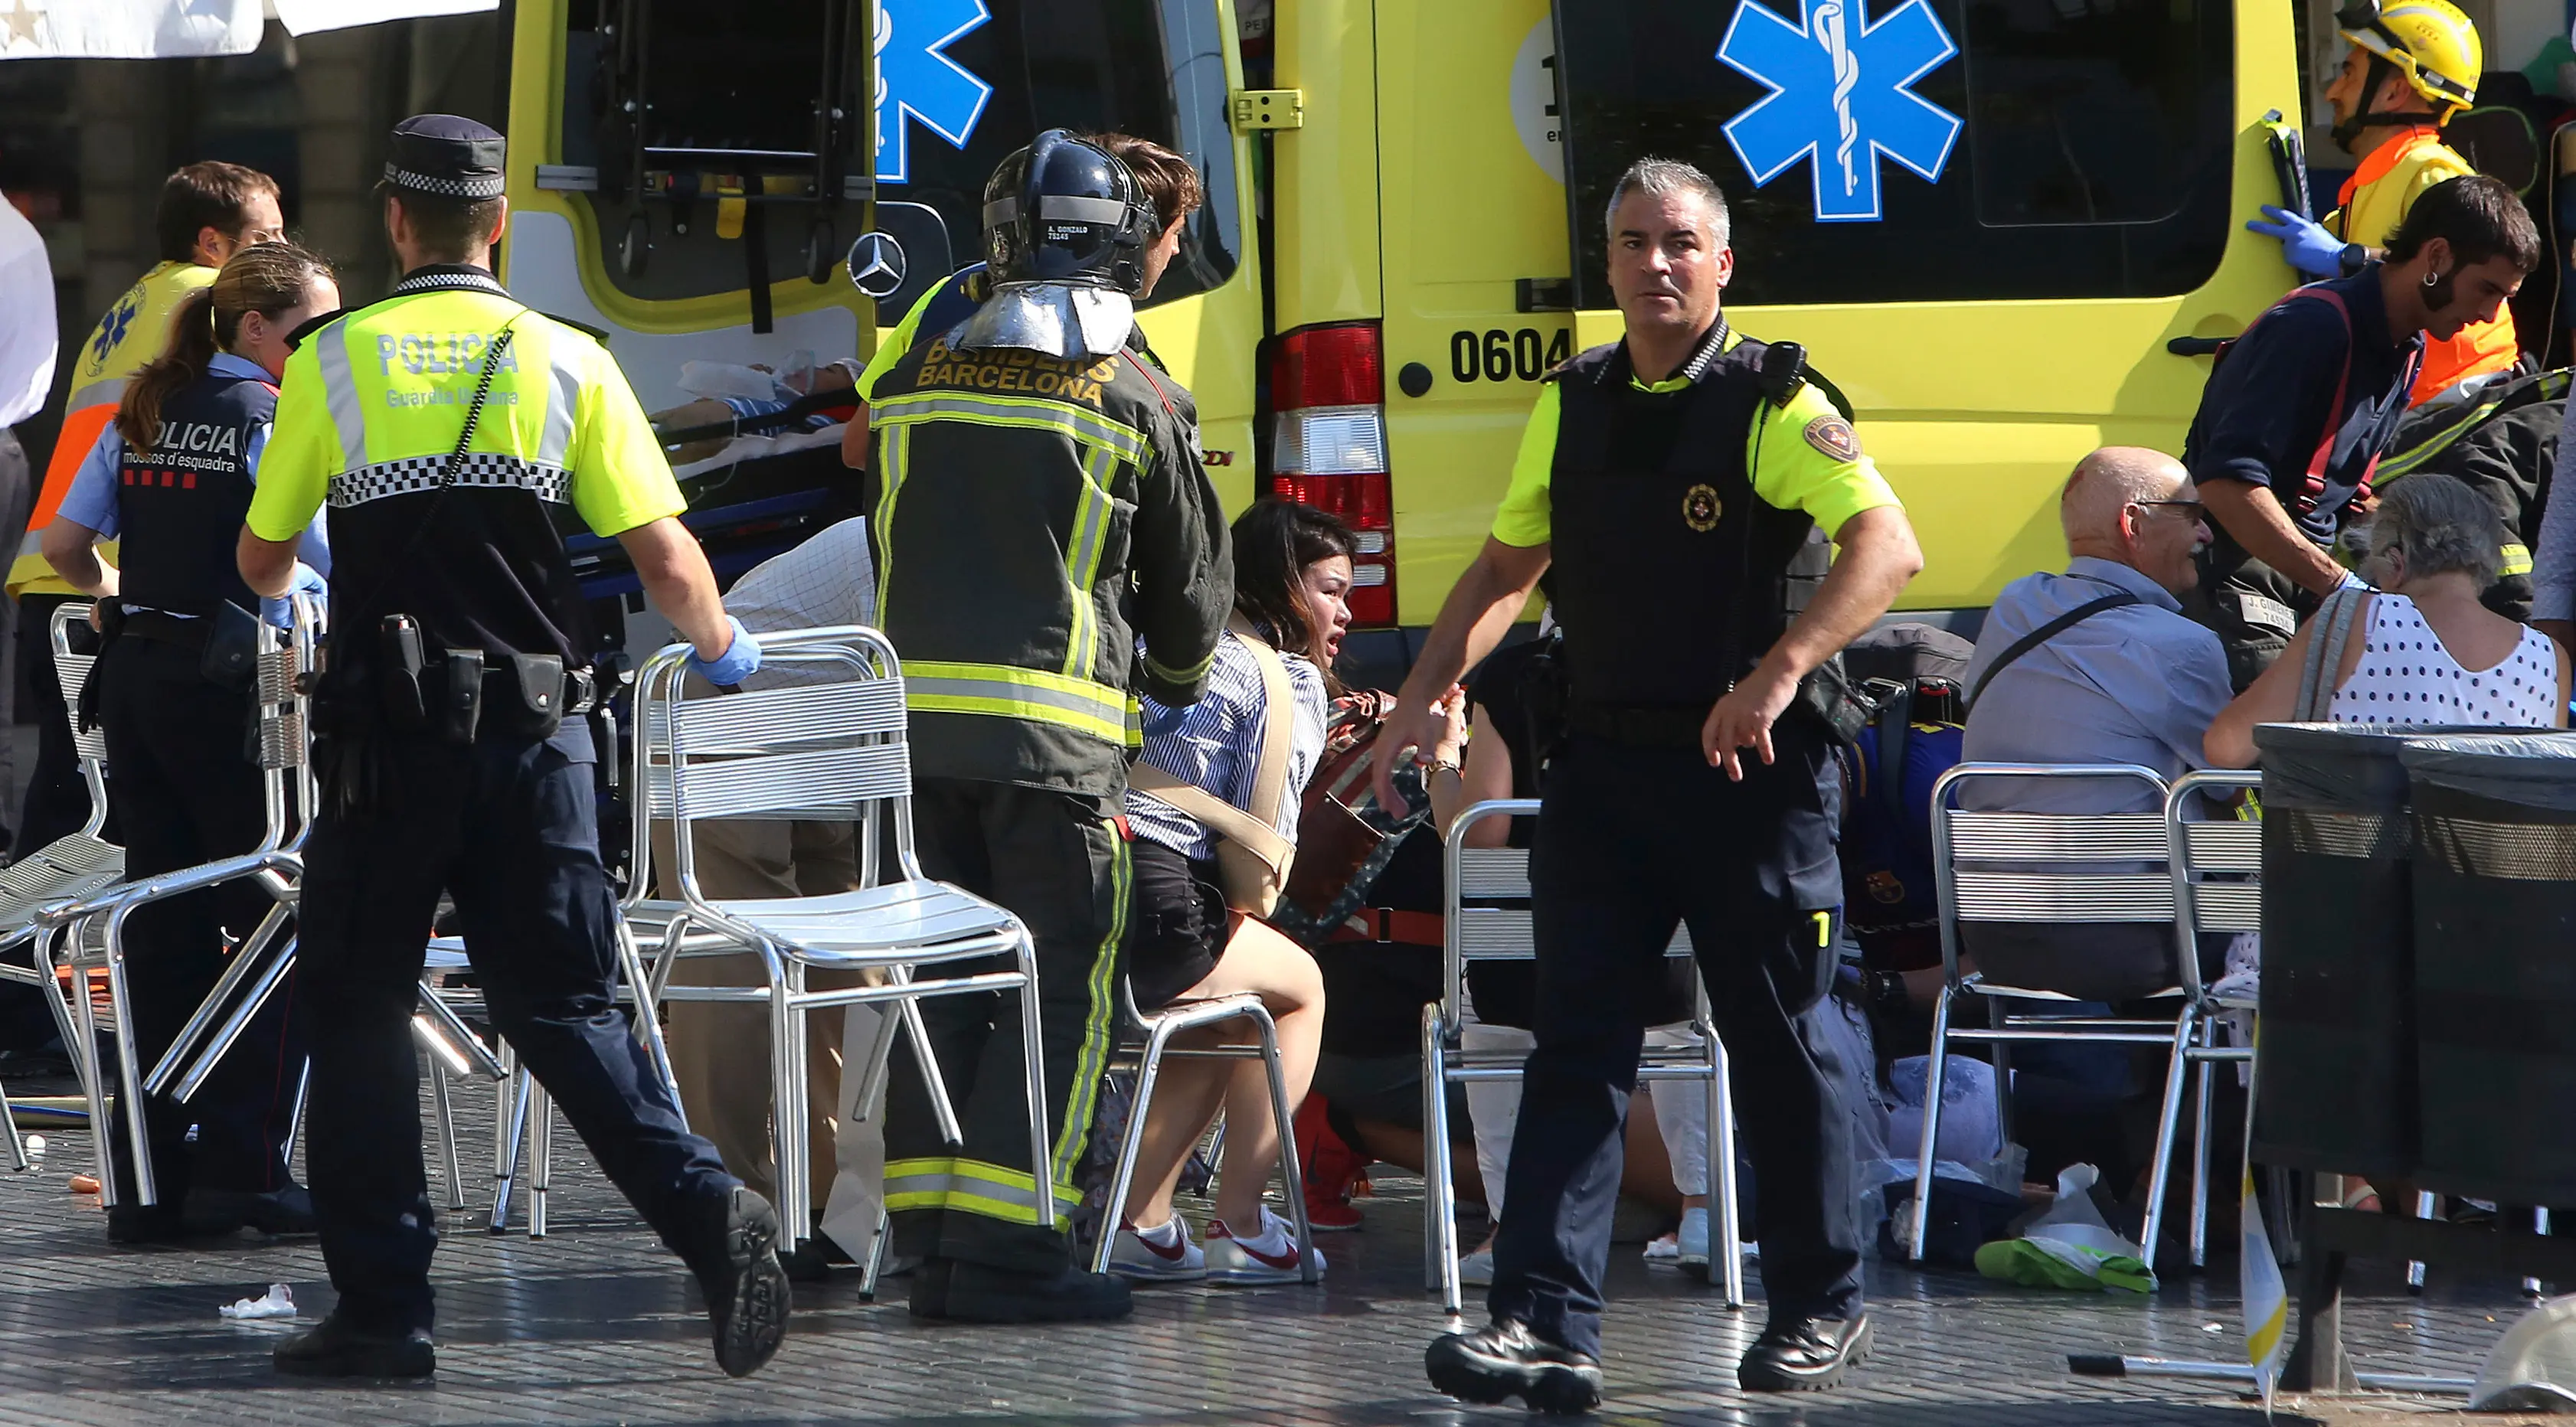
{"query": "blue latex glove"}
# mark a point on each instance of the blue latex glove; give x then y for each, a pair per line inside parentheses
(2304, 241)
(280, 611)
(740, 660)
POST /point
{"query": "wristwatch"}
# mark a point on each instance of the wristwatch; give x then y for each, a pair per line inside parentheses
(2355, 258)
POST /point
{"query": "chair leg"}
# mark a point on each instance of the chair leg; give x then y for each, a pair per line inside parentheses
(2200, 1175)
(541, 1157)
(872, 1070)
(1935, 1069)
(1439, 1196)
(1997, 1012)
(876, 1255)
(513, 1126)
(1033, 1062)
(1293, 1175)
(942, 1109)
(93, 1076)
(1122, 1179)
(18, 1160)
(191, 1077)
(648, 1020)
(443, 1120)
(247, 960)
(2426, 1202)
(129, 1072)
(1721, 1170)
(785, 1126)
(2168, 1124)
(303, 1097)
(2533, 1287)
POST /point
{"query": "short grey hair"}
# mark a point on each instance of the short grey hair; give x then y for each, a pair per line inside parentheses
(2437, 524)
(1664, 178)
(2108, 482)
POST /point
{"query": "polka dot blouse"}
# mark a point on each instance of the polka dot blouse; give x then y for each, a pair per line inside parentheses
(2406, 676)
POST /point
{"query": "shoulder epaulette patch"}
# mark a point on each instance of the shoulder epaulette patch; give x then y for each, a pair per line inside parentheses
(1835, 437)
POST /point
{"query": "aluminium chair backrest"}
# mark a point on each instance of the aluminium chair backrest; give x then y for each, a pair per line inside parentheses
(2005, 866)
(2217, 856)
(71, 670)
(827, 747)
(1487, 916)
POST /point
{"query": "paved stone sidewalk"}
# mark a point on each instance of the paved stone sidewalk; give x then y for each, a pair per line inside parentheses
(594, 1324)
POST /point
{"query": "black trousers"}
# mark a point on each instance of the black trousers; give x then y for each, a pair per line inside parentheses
(186, 793)
(510, 828)
(1060, 863)
(1631, 841)
(57, 800)
(2253, 608)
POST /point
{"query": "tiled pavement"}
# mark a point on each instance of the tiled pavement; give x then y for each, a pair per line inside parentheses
(594, 1324)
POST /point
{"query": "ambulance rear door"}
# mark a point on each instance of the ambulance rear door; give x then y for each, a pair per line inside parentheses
(1986, 220)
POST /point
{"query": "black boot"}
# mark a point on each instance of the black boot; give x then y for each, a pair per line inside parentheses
(280, 1213)
(1506, 1358)
(736, 1261)
(813, 1261)
(1803, 1354)
(978, 1293)
(336, 1349)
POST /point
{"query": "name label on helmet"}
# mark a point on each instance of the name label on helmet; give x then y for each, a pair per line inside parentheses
(1015, 369)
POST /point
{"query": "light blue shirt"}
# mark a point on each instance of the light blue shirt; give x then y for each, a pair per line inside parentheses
(91, 500)
(2138, 684)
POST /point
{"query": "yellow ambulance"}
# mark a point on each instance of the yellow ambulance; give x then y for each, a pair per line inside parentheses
(1989, 221)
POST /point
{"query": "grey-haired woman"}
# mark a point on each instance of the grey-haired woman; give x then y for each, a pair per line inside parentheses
(2430, 653)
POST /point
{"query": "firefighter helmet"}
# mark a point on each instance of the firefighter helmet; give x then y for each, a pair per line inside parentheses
(2428, 41)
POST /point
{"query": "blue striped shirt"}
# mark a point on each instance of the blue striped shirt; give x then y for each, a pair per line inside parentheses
(1215, 744)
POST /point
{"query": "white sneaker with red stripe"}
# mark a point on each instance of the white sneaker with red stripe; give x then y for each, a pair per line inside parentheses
(1160, 1255)
(1268, 1257)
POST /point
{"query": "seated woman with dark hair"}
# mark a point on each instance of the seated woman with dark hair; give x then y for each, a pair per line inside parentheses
(1188, 940)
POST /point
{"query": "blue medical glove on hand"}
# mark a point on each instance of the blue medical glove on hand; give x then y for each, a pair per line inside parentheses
(740, 660)
(280, 611)
(2304, 241)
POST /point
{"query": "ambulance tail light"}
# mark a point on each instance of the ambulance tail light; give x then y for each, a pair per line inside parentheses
(1328, 448)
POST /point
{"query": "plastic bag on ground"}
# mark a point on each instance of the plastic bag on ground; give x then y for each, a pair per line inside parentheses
(2069, 1246)
(2533, 1367)
(279, 1302)
(1971, 1130)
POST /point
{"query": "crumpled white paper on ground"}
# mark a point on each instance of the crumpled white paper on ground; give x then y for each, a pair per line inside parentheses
(279, 1303)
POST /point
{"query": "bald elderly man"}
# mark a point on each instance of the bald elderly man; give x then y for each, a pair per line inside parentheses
(2097, 665)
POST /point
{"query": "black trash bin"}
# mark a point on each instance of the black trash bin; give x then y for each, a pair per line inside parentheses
(2495, 963)
(2337, 1091)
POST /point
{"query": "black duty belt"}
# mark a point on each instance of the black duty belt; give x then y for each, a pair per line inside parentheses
(163, 627)
(1645, 725)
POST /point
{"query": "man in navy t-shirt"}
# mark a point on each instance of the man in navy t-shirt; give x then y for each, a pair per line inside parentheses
(2299, 410)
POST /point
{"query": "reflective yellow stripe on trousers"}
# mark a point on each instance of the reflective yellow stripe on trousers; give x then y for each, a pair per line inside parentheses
(972, 1185)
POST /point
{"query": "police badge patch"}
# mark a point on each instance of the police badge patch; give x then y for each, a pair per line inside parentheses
(1834, 436)
(1701, 508)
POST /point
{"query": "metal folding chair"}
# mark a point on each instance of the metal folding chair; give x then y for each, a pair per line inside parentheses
(89, 933)
(68, 868)
(1146, 1058)
(2218, 887)
(830, 747)
(1488, 920)
(2049, 868)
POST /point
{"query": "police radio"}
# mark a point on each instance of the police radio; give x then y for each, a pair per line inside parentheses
(1784, 372)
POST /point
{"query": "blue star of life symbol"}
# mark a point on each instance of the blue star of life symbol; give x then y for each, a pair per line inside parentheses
(915, 78)
(1841, 96)
(111, 328)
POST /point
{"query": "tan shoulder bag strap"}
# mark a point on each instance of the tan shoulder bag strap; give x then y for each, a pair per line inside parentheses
(1251, 854)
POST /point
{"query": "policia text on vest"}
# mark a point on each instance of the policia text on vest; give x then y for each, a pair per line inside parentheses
(448, 561)
(1671, 480)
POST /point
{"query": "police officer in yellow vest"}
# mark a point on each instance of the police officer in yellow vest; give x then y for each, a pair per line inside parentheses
(1038, 512)
(447, 425)
(2412, 66)
(208, 212)
(1679, 484)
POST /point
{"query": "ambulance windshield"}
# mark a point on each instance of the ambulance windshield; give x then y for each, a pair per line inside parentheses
(1933, 150)
(728, 96)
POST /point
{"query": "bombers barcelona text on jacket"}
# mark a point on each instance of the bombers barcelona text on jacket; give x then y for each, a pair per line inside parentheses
(1047, 547)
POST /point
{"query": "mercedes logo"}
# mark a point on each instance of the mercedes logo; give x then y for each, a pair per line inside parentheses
(876, 265)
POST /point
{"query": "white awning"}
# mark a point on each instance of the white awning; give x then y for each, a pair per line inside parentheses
(174, 29)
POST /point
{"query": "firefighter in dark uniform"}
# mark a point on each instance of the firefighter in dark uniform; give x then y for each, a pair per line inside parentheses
(1038, 507)
(445, 425)
(172, 695)
(1678, 482)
